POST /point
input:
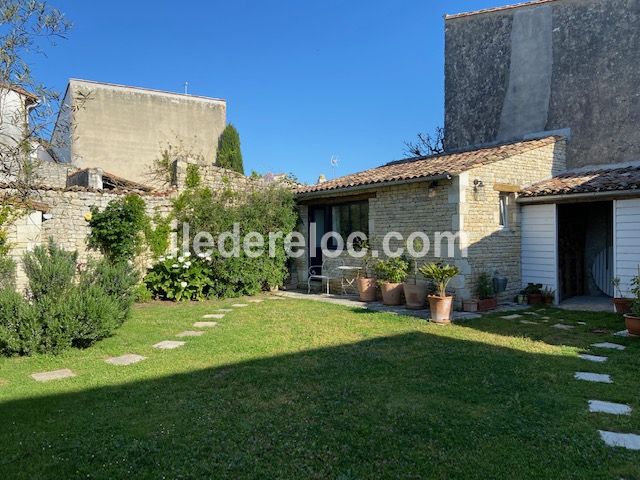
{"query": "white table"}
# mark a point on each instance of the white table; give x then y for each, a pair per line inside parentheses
(348, 277)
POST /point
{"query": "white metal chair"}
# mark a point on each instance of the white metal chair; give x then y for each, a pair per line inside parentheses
(316, 272)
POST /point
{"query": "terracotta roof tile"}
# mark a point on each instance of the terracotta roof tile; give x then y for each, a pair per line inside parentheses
(598, 179)
(428, 167)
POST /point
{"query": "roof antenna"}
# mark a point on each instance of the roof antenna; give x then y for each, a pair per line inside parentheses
(334, 165)
(186, 88)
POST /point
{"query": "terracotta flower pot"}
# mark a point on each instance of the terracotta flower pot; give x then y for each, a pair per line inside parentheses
(548, 300)
(440, 308)
(366, 289)
(622, 305)
(487, 304)
(633, 324)
(415, 295)
(391, 293)
(470, 305)
(534, 299)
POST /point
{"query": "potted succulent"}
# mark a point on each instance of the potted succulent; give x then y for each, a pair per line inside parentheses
(548, 295)
(534, 293)
(365, 283)
(415, 293)
(621, 302)
(440, 304)
(391, 273)
(486, 294)
(632, 319)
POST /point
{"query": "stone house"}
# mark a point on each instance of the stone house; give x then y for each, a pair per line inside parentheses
(124, 129)
(541, 99)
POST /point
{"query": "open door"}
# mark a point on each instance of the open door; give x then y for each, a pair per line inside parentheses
(318, 215)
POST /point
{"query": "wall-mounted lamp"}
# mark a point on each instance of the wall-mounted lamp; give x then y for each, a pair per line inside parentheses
(477, 185)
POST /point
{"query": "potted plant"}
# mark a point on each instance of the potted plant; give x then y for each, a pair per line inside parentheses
(548, 295)
(415, 293)
(391, 273)
(486, 294)
(621, 302)
(632, 319)
(365, 283)
(440, 304)
(470, 305)
(534, 293)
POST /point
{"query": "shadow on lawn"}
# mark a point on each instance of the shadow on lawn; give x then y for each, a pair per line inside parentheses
(408, 406)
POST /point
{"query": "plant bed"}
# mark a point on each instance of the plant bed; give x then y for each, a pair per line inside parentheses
(487, 304)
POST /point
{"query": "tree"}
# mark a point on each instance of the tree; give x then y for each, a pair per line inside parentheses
(27, 108)
(426, 144)
(229, 153)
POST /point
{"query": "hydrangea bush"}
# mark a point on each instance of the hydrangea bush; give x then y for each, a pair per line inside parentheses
(184, 277)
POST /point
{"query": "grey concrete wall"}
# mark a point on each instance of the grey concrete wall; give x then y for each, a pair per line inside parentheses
(123, 130)
(566, 64)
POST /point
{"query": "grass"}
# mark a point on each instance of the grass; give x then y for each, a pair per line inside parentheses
(298, 389)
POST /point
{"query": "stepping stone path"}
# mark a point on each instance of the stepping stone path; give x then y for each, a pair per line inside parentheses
(624, 333)
(205, 324)
(531, 313)
(225, 310)
(528, 322)
(256, 300)
(126, 359)
(593, 377)
(168, 345)
(239, 305)
(190, 333)
(629, 441)
(512, 317)
(214, 315)
(610, 346)
(562, 326)
(592, 358)
(581, 323)
(53, 375)
(597, 406)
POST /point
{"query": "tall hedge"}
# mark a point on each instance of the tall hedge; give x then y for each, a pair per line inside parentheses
(229, 152)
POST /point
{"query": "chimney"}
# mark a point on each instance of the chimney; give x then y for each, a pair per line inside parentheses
(321, 179)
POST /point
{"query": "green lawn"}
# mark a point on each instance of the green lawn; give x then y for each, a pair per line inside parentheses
(298, 389)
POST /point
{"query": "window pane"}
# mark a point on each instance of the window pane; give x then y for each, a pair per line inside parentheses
(364, 218)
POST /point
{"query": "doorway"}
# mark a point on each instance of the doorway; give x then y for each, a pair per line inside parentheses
(320, 216)
(585, 249)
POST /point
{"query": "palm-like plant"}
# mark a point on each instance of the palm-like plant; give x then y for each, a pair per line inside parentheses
(440, 274)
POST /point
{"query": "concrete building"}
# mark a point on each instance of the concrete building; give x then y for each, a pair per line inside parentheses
(123, 130)
(545, 67)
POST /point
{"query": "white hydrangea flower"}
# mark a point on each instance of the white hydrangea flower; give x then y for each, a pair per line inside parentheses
(175, 265)
(201, 255)
(161, 259)
(187, 254)
(183, 284)
(181, 259)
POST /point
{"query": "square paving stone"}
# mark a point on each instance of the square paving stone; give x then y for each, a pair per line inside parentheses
(581, 323)
(629, 441)
(624, 333)
(214, 315)
(53, 375)
(562, 326)
(598, 406)
(609, 345)
(126, 359)
(168, 345)
(205, 324)
(592, 358)
(256, 300)
(190, 333)
(528, 322)
(239, 305)
(531, 313)
(225, 310)
(512, 317)
(593, 377)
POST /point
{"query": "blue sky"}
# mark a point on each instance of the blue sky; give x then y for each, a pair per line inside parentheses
(303, 80)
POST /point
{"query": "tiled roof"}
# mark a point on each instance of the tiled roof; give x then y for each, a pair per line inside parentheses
(597, 179)
(112, 182)
(428, 167)
(498, 9)
(20, 90)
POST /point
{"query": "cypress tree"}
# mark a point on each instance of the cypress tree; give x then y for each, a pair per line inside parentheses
(229, 153)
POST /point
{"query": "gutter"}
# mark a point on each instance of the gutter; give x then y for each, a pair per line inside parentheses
(568, 197)
(334, 192)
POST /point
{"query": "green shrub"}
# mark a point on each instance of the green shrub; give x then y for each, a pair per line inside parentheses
(50, 270)
(484, 287)
(440, 274)
(7, 273)
(229, 152)
(116, 280)
(182, 278)
(20, 332)
(118, 230)
(157, 235)
(58, 325)
(142, 294)
(93, 313)
(392, 270)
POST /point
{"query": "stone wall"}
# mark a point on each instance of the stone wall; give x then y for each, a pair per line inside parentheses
(64, 221)
(562, 65)
(214, 177)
